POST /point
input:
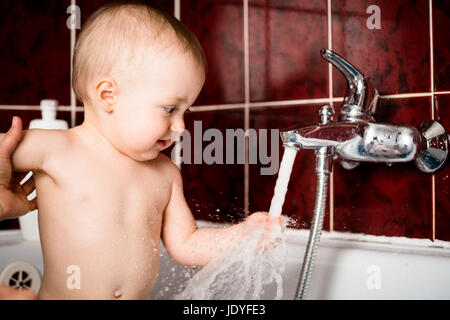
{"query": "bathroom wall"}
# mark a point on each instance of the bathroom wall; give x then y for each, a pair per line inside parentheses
(265, 72)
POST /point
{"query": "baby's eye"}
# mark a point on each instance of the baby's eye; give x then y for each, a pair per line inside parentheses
(170, 109)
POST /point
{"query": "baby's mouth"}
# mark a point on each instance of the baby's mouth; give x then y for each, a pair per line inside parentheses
(164, 143)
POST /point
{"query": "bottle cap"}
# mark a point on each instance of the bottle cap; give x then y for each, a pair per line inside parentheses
(48, 108)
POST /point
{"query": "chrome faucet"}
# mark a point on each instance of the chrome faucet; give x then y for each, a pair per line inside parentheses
(357, 138)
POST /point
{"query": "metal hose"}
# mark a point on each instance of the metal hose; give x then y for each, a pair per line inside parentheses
(323, 168)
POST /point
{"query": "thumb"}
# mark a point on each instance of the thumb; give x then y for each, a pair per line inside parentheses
(11, 138)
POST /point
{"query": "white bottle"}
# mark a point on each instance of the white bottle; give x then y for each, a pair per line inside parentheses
(48, 121)
(29, 222)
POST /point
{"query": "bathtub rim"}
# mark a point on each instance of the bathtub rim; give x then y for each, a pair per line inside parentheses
(348, 240)
(332, 239)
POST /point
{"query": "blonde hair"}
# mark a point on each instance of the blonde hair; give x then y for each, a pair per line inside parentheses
(119, 31)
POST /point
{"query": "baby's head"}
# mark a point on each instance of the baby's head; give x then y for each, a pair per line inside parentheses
(137, 70)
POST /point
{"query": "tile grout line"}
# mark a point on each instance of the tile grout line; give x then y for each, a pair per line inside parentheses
(246, 106)
(231, 106)
(430, 2)
(330, 47)
(433, 180)
(177, 9)
(177, 148)
(73, 37)
(330, 94)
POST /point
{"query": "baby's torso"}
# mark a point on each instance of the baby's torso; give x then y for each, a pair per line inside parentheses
(100, 222)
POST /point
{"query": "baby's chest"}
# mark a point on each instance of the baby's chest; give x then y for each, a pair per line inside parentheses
(138, 192)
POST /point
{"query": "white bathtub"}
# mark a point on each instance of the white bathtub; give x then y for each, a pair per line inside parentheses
(348, 266)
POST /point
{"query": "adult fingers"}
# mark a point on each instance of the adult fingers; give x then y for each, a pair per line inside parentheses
(9, 293)
(11, 139)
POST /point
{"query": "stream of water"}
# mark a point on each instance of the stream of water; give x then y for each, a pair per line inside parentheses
(254, 263)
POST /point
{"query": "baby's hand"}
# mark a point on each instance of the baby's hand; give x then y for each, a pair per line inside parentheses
(261, 218)
(272, 227)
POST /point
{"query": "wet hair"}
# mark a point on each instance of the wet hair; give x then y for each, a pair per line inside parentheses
(118, 34)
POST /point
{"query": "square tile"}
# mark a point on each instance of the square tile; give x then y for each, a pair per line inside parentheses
(396, 57)
(219, 27)
(285, 39)
(386, 200)
(214, 192)
(87, 7)
(441, 25)
(35, 55)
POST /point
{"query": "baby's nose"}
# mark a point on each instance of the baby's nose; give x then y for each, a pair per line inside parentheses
(177, 125)
(177, 128)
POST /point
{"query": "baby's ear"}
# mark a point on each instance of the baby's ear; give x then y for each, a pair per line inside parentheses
(106, 94)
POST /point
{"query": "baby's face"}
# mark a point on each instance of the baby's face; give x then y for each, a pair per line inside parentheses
(152, 101)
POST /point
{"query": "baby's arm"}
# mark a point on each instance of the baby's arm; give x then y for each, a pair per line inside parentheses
(31, 151)
(186, 243)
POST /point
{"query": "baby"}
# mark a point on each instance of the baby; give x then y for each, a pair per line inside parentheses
(106, 193)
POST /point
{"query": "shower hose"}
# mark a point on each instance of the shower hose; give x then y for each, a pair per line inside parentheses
(323, 169)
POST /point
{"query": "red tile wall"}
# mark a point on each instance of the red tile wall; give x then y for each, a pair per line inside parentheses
(284, 83)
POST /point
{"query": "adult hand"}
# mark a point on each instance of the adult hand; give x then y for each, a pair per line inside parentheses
(9, 293)
(13, 196)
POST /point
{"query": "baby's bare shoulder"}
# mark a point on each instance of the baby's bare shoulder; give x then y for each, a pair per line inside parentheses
(169, 169)
(47, 136)
(36, 146)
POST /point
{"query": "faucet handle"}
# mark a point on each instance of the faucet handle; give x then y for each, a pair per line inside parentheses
(357, 104)
(436, 142)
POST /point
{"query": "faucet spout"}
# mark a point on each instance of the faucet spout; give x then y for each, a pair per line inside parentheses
(360, 141)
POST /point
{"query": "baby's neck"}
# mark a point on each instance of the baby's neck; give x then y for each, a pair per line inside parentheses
(89, 134)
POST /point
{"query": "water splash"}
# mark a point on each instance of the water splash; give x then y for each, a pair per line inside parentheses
(245, 271)
(254, 263)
